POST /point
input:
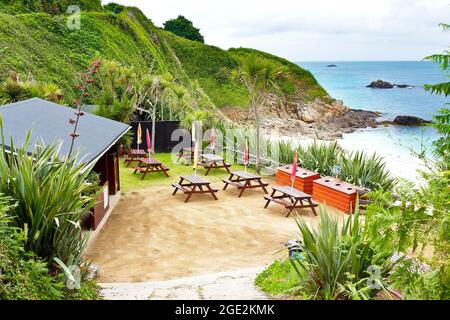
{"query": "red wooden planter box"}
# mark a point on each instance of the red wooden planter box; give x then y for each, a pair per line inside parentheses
(303, 182)
(336, 193)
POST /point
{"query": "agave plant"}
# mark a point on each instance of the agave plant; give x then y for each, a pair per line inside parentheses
(14, 90)
(51, 194)
(287, 151)
(362, 170)
(320, 157)
(336, 261)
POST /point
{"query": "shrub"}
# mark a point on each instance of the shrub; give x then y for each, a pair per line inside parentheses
(278, 279)
(22, 275)
(13, 90)
(184, 28)
(335, 262)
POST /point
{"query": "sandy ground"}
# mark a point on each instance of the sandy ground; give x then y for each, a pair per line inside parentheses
(152, 236)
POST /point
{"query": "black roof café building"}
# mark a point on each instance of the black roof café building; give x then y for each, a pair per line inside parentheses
(96, 144)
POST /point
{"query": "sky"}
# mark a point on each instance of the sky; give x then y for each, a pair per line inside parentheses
(314, 30)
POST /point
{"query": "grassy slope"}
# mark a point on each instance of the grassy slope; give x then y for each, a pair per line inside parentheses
(209, 65)
(43, 45)
(301, 81)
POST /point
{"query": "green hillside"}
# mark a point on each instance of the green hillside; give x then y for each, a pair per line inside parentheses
(48, 6)
(42, 44)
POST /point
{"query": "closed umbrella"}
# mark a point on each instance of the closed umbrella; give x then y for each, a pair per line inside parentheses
(139, 135)
(294, 169)
(213, 140)
(149, 143)
(246, 158)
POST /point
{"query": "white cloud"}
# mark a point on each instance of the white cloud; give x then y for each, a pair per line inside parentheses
(315, 29)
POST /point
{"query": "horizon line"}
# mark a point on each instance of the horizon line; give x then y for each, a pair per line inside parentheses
(360, 61)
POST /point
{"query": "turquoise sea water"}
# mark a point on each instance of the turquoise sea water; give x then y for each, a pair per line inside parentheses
(348, 81)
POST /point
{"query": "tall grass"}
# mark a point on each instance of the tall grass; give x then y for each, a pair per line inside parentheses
(51, 196)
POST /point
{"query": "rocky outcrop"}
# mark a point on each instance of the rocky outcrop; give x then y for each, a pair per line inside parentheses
(331, 66)
(319, 110)
(320, 119)
(380, 84)
(409, 121)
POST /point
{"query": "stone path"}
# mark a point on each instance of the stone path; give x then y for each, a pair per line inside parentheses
(234, 285)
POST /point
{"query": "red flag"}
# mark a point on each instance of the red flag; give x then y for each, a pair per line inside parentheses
(149, 143)
(246, 153)
(294, 167)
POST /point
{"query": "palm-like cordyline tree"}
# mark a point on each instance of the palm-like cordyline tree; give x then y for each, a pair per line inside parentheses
(178, 96)
(261, 78)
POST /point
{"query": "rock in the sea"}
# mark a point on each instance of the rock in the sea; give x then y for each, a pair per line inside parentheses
(380, 84)
(404, 86)
(409, 121)
(331, 66)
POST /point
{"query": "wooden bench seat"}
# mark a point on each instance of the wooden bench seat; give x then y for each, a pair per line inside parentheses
(140, 169)
(208, 164)
(181, 188)
(291, 199)
(285, 203)
(236, 184)
(164, 168)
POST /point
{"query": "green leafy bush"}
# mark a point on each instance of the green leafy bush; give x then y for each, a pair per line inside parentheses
(279, 278)
(114, 7)
(22, 275)
(184, 28)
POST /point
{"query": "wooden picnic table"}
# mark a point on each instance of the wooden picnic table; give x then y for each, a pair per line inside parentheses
(188, 153)
(134, 155)
(150, 165)
(244, 180)
(194, 185)
(212, 161)
(291, 199)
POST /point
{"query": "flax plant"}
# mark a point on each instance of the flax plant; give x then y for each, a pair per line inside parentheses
(52, 194)
(336, 261)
